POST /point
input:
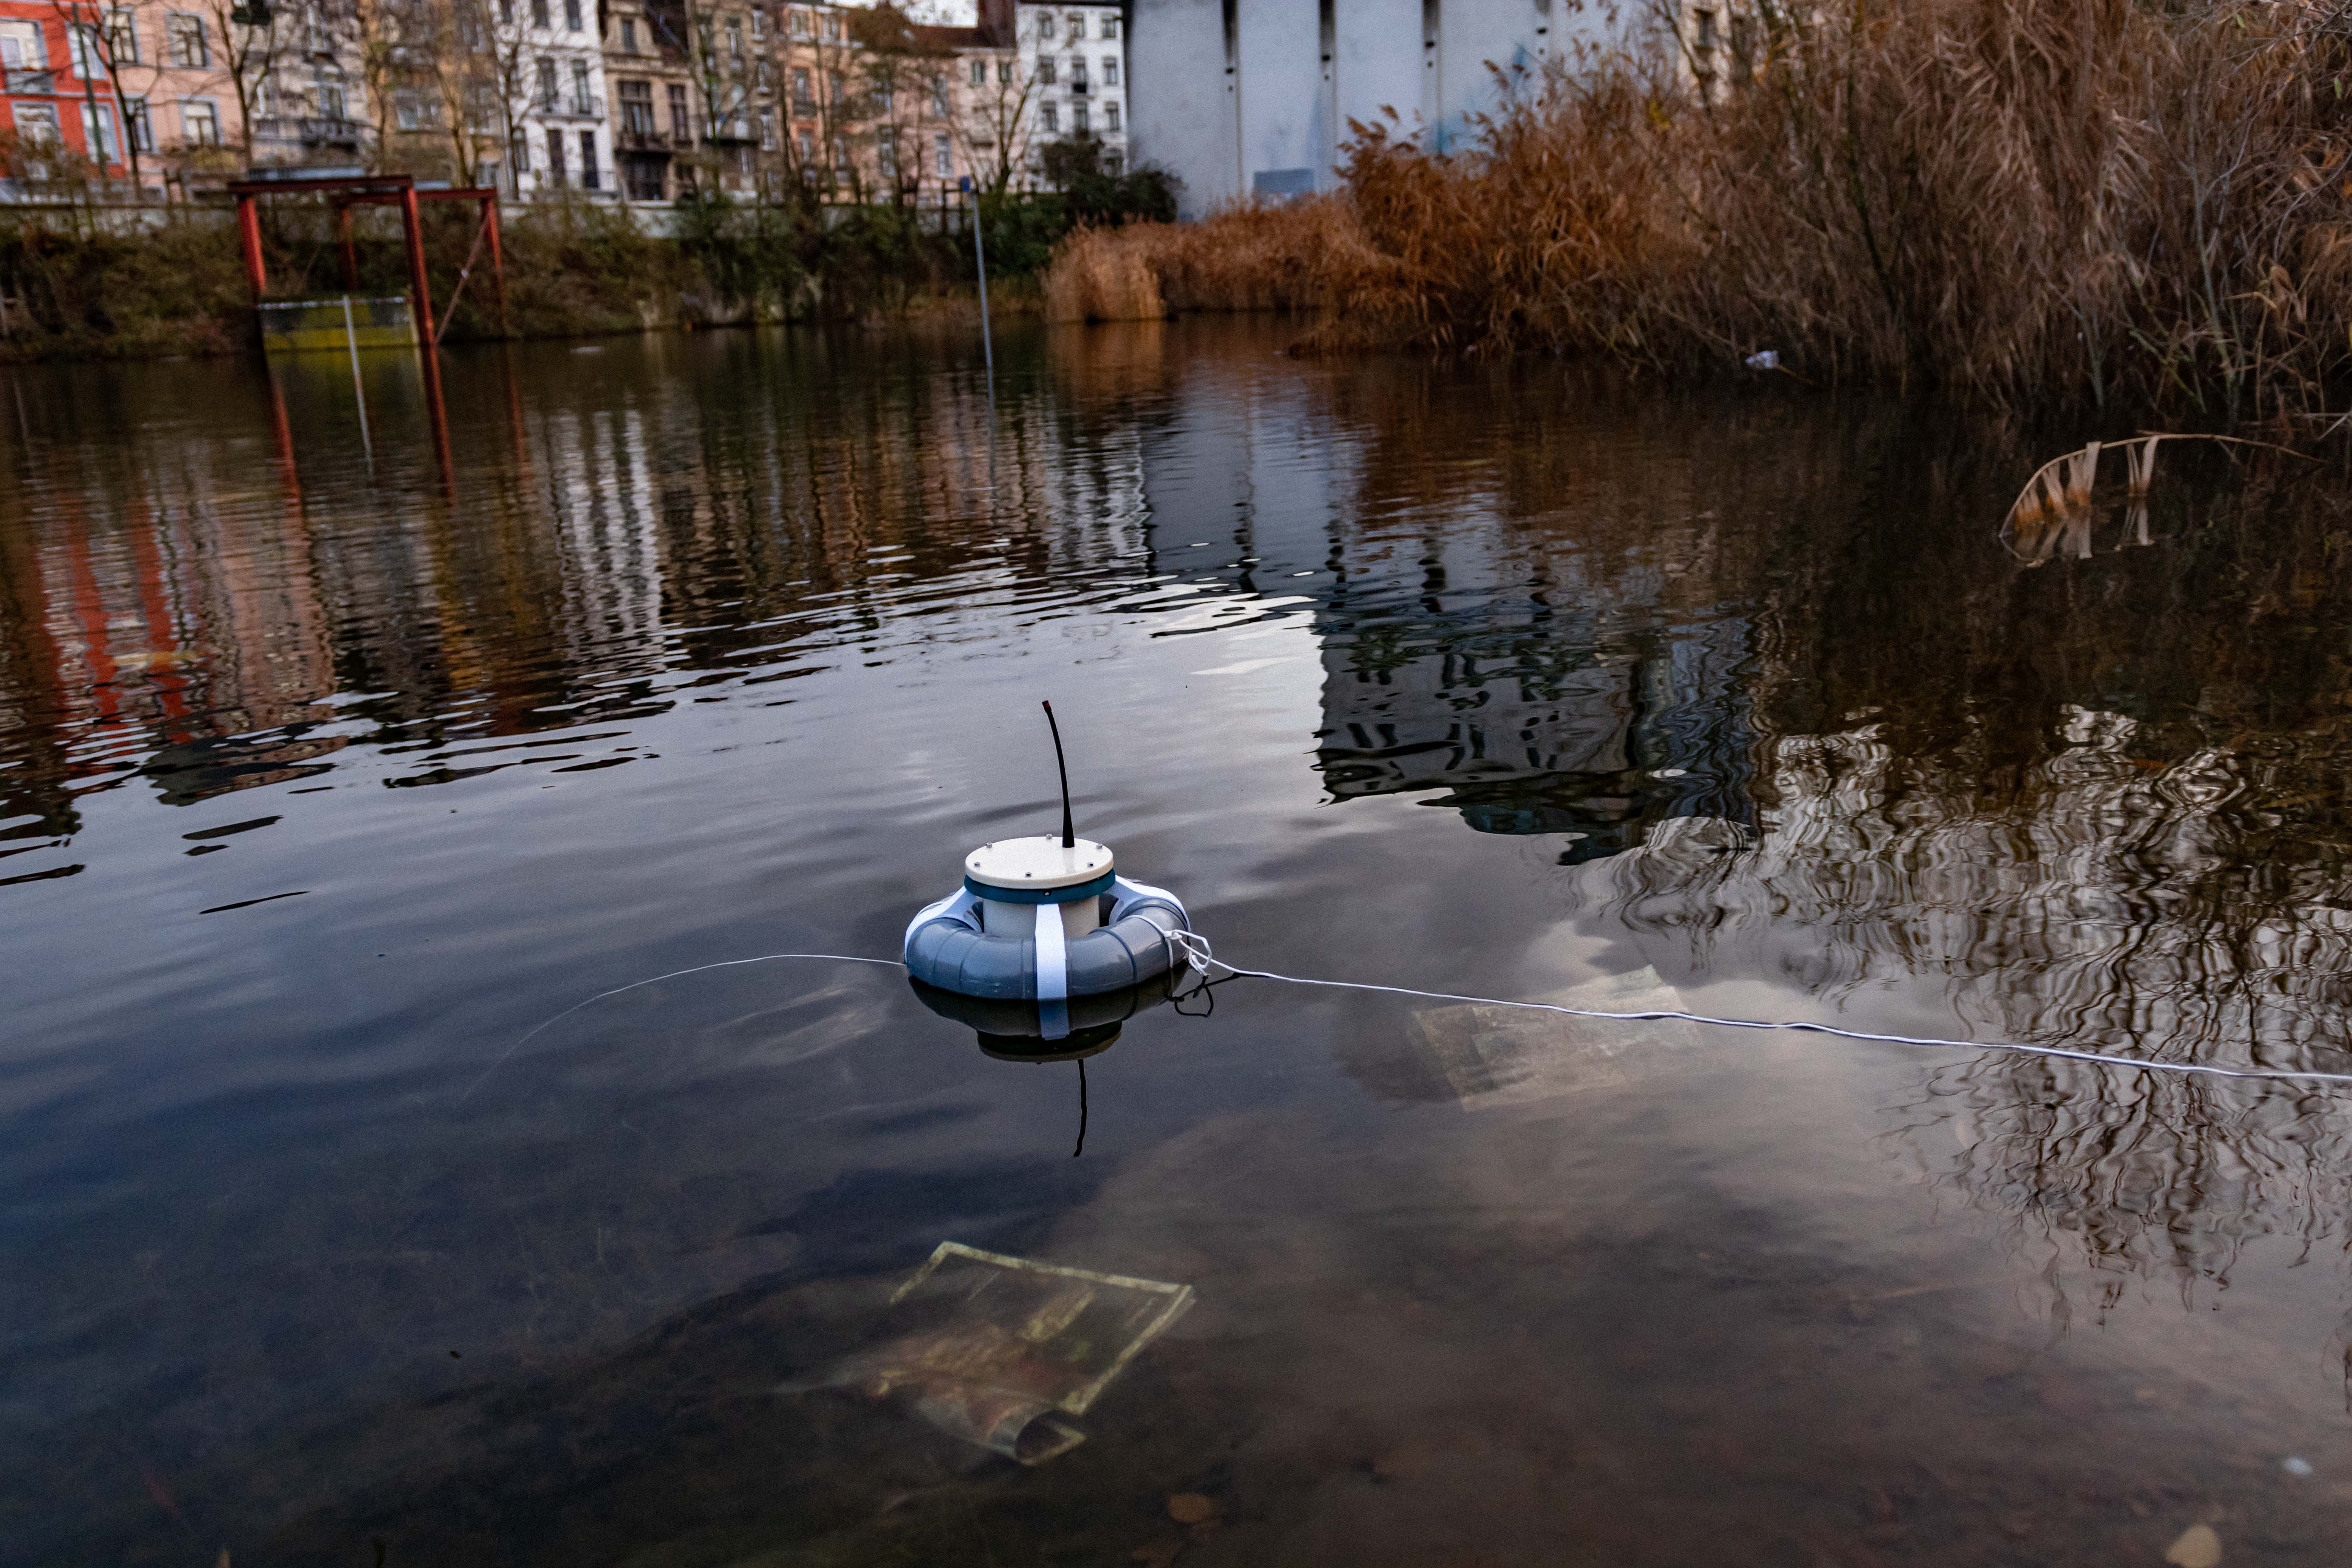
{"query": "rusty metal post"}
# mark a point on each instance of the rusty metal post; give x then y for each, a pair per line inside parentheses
(497, 258)
(351, 252)
(248, 234)
(413, 232)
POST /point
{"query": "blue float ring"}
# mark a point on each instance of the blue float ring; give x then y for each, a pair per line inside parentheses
(1070, 895)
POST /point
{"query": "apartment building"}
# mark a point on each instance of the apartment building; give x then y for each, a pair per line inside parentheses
(1077, 58)
(308, 95)
(544, 79)
(62, 112)
(984, 135)
(648, 60)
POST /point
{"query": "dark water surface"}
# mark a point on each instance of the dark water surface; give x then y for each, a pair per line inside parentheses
(1493, 681)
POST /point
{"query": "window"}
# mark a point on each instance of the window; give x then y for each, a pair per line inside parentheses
(645, 176)
(1049, 117)
(884, 97)
(637, 106)
(332, 100)
(1110, 71)
(189, 48)
(142, 127)
(412, 110)
(1077, 26)
(1111, 26)
(538, 12)
(1706, 34)
(506, 12)
(980, 73)
(264, 97)
(797, 25)
(121, 39)
(939, 98)
(1045, 24)
(200, 122)
(89, 58)
(572, 14)
(582, 101)
(1079, 117)
(1005, 73)
(546, 85)
(802, 94)
(628, 34)
(1046, 76)
(554, 157)
(681, 124)
(1112, 163)
(518, 156)
(759, 26)
(735, 39)
(767, 131)
(836, 86)
(807, 145)
(23, 47)
(942, 155)
(1079, 76)
(832, 28)
(37, 125)
(1110, 116)
(590, 180)
(886, 151)
(762, 77)
(97, 132)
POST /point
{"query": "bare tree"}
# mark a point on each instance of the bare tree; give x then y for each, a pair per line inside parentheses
(250, 49)
(96, 42)
(993, 130)
(905, 95)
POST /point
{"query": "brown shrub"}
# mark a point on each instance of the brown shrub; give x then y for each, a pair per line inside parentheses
(2020, 201)
(1251, 257)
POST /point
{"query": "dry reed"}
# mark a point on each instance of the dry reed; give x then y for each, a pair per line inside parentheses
(2018, 201)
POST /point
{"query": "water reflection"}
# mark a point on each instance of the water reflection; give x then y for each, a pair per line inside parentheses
(627, 661)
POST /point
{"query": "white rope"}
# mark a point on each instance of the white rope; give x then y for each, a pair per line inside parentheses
(1197, 952)
(673, 975)
(1201, 959)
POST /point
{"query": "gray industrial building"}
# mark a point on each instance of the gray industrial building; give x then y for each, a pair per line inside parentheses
(1248, 98)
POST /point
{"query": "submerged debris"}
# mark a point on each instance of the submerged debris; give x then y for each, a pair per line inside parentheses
(1008, 1348)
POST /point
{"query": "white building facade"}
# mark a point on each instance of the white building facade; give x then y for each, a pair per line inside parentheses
(1254, 100)
(551, 58)
(1077, 58)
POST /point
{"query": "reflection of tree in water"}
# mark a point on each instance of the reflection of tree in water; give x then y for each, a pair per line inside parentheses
(2099, 898)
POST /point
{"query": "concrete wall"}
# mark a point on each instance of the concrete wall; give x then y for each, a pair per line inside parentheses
(1244, 96)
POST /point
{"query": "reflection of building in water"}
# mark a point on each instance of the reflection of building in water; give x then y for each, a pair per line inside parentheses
(1560, 668)
(138, 623)
(2107, 904)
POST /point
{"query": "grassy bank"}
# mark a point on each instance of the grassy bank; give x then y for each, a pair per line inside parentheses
(78, 292)
(2021, 202)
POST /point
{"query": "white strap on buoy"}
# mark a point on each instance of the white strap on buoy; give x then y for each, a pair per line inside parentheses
(1053, 974)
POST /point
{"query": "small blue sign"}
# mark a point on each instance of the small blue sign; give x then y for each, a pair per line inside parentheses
(964, 185)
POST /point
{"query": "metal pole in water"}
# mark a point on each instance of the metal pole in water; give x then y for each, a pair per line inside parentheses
(351, 341)
(979, 255)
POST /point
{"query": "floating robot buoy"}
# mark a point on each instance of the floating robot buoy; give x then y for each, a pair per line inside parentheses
(1044, 920)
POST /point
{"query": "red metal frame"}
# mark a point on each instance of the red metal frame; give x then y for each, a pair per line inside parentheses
(344, 191)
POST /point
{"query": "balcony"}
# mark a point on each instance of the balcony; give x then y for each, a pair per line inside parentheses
(571, 106)
(27, 82)
(645, 139)
(329, 131)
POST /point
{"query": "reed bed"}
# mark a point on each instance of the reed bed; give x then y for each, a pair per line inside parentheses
(2021, 202)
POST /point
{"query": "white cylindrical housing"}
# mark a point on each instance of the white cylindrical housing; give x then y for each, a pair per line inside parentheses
(1038, 868)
